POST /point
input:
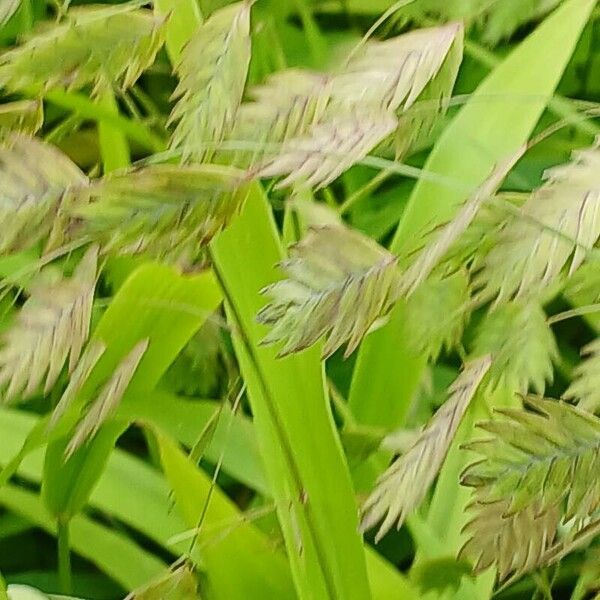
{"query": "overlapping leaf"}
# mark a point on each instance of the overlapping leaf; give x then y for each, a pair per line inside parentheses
(212, 75)
(163, 209)
(555, 230)
(52, 327)
(99, 46)
(340, 283)
(403, 486)
(35, 179)
(537, 471)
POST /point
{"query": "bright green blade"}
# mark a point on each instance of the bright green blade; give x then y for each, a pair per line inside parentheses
(302, 453)
(184, 18)
(135, 494)
(169, 308)
(224, 538)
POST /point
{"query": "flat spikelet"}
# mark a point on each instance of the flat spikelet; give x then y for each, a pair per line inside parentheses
(332, 147)
(162, 209)
(86, 364)
(340, 283)
(212, 75)
(391, 75)
(536, 473)
(52, 326)
(437, 312)
(105, 405)
(98, 46)
(285, 107)
(403, 486)
(35, 180)
(522, 345)
(416, 122)
(557, 227)
(499, 536)
(349, 111)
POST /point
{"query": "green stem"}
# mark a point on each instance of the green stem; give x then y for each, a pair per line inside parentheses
(579, 311)
(64, 557)
(364, 190)
(27, 20)
(584, 583)
(87, 109)
(341, 405)
(277, 51)
(3, 591)
(113, 144)
(316, 43)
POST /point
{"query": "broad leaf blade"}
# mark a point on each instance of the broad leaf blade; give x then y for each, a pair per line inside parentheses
(288, 399)
(259, 566)
(112, 552)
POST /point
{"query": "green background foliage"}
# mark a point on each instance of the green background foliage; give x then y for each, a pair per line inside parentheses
(299, 299)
